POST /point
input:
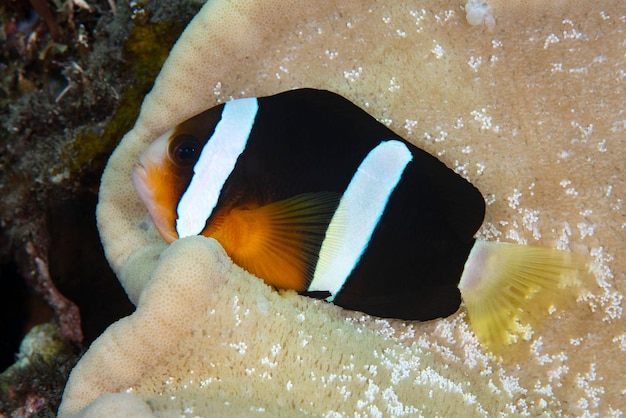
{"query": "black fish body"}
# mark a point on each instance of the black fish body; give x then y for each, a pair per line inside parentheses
(415, 257)
(309, 192)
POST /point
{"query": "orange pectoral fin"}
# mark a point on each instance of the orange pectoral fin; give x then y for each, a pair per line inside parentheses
(279, 242)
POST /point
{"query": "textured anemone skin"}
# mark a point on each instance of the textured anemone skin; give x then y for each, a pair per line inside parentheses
(234, 335)
(150, 340)
(529, 112)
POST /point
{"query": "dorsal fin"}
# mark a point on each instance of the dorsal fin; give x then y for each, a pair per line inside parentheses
(278, 242)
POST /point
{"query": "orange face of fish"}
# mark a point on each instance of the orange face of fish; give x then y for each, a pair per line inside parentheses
(165, 169)
(160, 183)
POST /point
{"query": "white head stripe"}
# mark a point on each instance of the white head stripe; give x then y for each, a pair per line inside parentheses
(217, 160)
(359, 211)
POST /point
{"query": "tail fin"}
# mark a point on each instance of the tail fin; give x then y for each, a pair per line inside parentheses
(500, 278)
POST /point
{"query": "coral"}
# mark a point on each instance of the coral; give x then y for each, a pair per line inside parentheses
(144, 51)
(479, 12)
(32, 386)
(530, 113)
(65, 102)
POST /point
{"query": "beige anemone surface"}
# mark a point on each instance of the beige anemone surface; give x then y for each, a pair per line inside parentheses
(529, 109)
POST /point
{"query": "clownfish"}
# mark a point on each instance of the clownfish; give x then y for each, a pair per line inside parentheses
(308, 192)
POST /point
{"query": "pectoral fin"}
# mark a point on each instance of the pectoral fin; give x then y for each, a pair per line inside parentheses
(278, 242)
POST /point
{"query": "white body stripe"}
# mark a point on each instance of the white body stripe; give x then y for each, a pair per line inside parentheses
(216, 163)
(357, 215)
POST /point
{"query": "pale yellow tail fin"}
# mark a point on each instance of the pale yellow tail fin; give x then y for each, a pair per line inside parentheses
(499, 280)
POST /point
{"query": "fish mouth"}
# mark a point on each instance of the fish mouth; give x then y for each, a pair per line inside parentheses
(158, 213)
(151, 184)
(140, 181)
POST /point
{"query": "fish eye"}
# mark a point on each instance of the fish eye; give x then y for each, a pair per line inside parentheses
(184, 150)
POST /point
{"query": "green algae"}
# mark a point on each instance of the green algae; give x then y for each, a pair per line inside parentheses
(64, 106)
(35, 382)
(144, 51)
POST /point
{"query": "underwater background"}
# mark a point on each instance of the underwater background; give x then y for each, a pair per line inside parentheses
(542, 137)
(73, 75)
